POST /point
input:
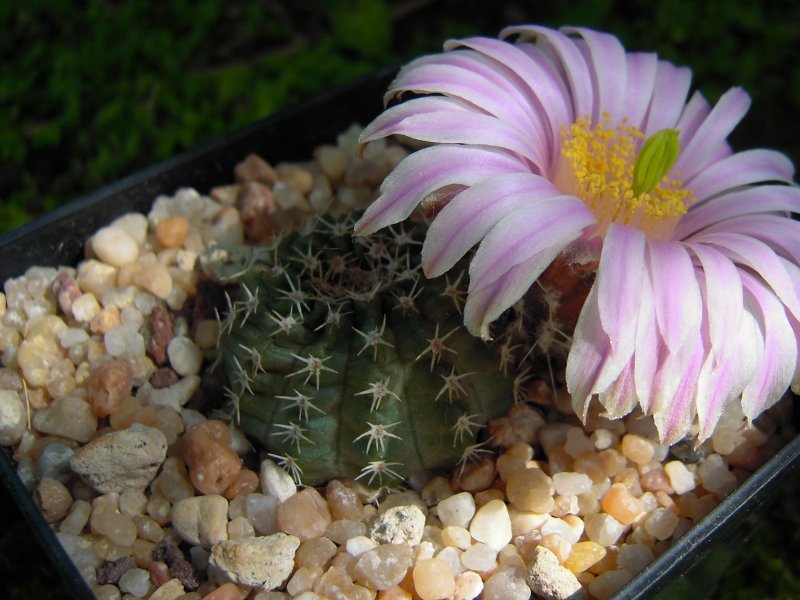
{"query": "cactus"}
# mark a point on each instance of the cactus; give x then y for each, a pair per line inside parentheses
(344, 361)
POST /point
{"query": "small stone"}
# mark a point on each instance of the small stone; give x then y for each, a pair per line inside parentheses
(316, 552)
(507, 583)
(549, 580)
(53, 498)
(621, 504)
(115, 461)
(480, 557)
(605, 585)
(468, 586)
(433, 579)
(342, 500)
(637, 449)
(77, 517)
(583, 555)
(603, 529)
(95, 279)
(13, 419)
(384, 566)
(336, 583)
(172, 231)
(661, 523)
(123, 340)
(255, 168)
(68, 417)
(135, 582)
(455, 536)
(262, 512)
(227, 591)
(201, 520)
(264, 562)
(530, 489)
(184, 356)
(154, 278)
(171, 590)
(577, 443)
(457, 510)
(681, 479)
(111, 571)
(302, 581)
(399, 525)
(275, 481)
(634, 557)
(571, 484)
(357, 545)
(114, 246)
(134, 224)
(179, 567)
(492, 524)
(715, 476)
(305, 515)
(213, 464)
(341, 530)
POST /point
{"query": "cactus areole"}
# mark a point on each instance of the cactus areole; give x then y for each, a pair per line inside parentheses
(344, 361)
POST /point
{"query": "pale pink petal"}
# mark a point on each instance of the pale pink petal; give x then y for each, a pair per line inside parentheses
(587, 356)
(723, 297)
(456, 127)
(546, 90)
(465, 75)
(484, 305)
(428, 170)
(725, 115)
(671, 87)
(694, 114)
(671, 270)
(572, 64)
(641, 79)
(675, 387)
(527, 231)
(778, 232)
(619, 283)
(779, 362)
(620, 398)
(759, 199)
(384, 123)
(608, 70)
(755, 254)
(742, 168)
(469, 216)
(649, 346)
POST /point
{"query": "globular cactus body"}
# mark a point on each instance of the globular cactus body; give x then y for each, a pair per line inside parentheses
(345, 362)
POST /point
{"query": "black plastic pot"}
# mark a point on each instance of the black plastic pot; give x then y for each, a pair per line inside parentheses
(684, 571)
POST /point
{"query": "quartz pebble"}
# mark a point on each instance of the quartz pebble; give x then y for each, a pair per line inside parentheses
(433, 579)
(384, 566)
(258, 562)
(12, 417)
(492, 524)
(115, 246)
(121, 459)
(68, 417)
(305, 515)
(457, 510)
(549, 580)
(201, 520)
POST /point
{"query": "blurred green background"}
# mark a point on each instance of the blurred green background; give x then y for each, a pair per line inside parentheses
(93, 90)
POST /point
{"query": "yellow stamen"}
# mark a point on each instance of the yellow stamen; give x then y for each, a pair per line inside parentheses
(601, 164)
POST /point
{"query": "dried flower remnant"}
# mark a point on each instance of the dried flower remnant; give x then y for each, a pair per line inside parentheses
(569, 149)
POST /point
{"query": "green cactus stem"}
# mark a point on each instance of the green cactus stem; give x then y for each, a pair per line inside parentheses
(344, 361)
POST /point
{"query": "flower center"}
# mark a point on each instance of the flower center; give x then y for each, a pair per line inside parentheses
(603, 169)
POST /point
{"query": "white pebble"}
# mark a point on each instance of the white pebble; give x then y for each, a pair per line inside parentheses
(492, 524)
(571, 484)
(184, 356)
(661, 523)
(680, 478)
(135, 582)
(275, 481)
(115, 246)
(262, 512)
(603, 529)
(72, 336)
(479, 557)
(457, 510)
(85, 307)
(12, 417)
(577, 443)
(134, 224)
(634, 557)
(124, 340)
(561, 528)
(359, 544)
(715, 476)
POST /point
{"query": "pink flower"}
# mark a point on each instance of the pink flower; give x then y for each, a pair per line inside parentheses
(564, 145)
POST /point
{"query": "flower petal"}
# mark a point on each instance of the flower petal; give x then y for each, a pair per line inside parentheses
(608, 70)
(526, 232)
(572, 63)
(674, 408)
(761, 258)
(748, 201)
(620, 398)
(641, 80)
(649, 346)
(427, 170)
(456, 127)
(469, 216)
(669, 94)
(730, 109)
(619, 284)
(779, 362)
(671, 269)
(742, 168)
(778, 232)
(545, 88)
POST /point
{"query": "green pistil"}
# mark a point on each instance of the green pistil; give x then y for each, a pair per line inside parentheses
(659, 152)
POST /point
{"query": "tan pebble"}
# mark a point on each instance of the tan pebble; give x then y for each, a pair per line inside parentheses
(52, 498)
(205, 333)
(399, 525)
(613, 461)
(114, 246)
(159, 573)
(457, 537)
(169, 590)
(13, 417)
(605, 585)
(95, 278)
(148, 528)
(316, 552)
(265, 561)
(201, 520)
(246, 483)
(468, 586)
(621, 504)
(303, 580)
(475, 476)
(383, 567)
(629, 477)
(77, 518)
(336, 583)
(155, 278)
(68, 417)
(255, 168)
(437, 489)
(603, 529)
(583, 555)
(492, 524)
(485, 496)
(225, 194)
(433, 579)
(560, 547)
(681, 479)
(227, 591)
(305, 514)
(172, 231)
(394, 593)
(530, 490)
(109, 383)
(656, 480)
(298, 177)
(213, 464)
(105, 320)
(636, 449)
(549, 580)
(343, 501)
